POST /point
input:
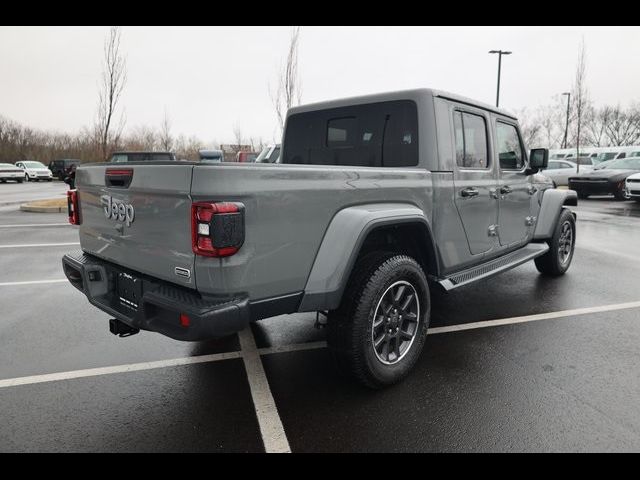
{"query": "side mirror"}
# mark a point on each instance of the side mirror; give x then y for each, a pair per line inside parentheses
(538, 160)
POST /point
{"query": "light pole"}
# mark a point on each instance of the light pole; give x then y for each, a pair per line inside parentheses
(500, 53)
(566, 128)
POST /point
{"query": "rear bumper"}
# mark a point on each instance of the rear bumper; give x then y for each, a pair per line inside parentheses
(161, 304)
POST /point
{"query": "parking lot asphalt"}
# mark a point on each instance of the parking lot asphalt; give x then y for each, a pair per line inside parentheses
(518, 362)
(12, 193)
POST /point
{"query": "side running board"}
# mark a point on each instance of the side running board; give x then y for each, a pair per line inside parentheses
(495, 266)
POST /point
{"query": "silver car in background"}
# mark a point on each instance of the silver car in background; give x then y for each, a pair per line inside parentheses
(9, 171)
(35, 171)
(559, 171)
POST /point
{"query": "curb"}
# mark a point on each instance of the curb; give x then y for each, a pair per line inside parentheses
(28, 208)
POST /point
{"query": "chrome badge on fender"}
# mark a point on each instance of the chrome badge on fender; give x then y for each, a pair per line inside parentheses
(119, 211)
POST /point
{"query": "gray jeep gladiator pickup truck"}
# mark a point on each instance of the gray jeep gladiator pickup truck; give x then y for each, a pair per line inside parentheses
(377, 200)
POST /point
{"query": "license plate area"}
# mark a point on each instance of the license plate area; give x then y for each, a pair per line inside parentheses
(129, 290)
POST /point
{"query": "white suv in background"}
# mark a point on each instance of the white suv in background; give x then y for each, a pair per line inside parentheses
(633, 186)
(35, 171)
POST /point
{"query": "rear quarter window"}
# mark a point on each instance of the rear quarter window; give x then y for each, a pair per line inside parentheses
(373, 135)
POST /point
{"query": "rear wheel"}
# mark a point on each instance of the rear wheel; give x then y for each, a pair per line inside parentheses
(561, 246)
(379, 330)
(26, 178)
(19, 180)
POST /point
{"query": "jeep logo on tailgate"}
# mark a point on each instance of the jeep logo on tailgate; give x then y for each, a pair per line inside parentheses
(119, 211)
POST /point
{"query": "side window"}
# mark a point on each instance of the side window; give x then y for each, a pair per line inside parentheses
(471, 140)
(553, 165)
(510, 151)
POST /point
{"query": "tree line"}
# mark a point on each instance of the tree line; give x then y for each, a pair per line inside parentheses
(105, 134)
(576, 121)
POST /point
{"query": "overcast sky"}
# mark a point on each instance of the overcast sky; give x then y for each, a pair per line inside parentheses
(210, 79)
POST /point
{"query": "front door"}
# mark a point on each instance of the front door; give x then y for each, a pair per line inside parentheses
(514, 186)
(475, 182)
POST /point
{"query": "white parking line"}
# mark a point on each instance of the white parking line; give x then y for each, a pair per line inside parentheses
(132, 367)
(534, 318)
(41, 245)
(271, 428)
(37, 225)
(32, 282)
(274, 437)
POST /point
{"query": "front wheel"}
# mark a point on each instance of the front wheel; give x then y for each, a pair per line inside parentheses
(621, 194)
(561, 246)
(379, 330)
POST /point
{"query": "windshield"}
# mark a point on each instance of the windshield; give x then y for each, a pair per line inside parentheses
(631, 163)
(584, 161)
(263, 154)
(141, 157)
(33, 165)
(603, 157)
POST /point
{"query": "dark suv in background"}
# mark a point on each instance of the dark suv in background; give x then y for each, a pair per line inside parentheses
(60, 168)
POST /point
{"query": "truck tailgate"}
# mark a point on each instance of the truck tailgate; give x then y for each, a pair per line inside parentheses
(139, 216)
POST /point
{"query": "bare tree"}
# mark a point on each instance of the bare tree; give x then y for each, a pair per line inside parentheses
(289, 89)
(529, 126)
(623, 127)
(166, 139)
(114, 78)
(596, 123)
(237, 135)
(580, 96)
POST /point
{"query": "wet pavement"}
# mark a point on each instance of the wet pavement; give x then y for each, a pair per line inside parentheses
(569, 383)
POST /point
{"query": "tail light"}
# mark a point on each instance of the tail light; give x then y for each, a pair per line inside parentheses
(72, 207)
(217, 229)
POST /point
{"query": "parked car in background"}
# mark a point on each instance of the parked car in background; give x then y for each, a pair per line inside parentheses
(633, 186)
(606, 181)
(559, 171)
(211, 156)
(124, 157)
(60, 168)
(269, 154)
(8, 171)
(246, 157)
(35, 171)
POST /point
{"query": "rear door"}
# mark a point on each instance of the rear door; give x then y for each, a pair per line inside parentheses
(139, 216)
(515, 188)
(475, 180)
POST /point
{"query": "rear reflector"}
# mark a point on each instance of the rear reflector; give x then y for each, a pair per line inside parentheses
(217, 229)
(72, 207)
(185, 321)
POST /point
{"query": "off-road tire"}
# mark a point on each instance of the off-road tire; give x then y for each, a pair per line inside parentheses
(349, 329)
(551, 262)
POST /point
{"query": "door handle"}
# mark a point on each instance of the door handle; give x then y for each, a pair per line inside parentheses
(505, 190)
(470, 192)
